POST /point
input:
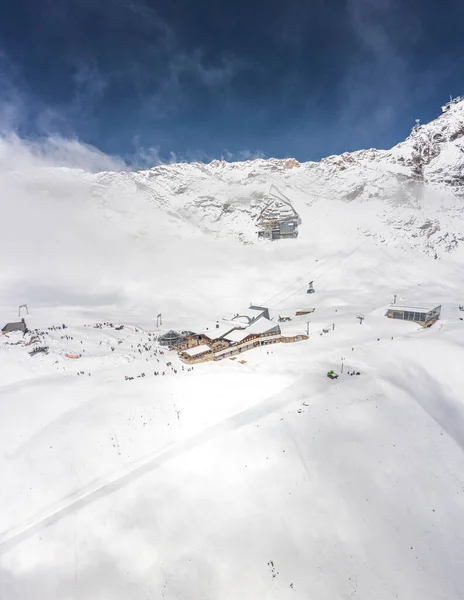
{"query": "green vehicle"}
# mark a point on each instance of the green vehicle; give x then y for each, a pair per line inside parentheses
(332, 375)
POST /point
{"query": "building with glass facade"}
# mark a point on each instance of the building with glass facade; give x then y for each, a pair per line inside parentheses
(425, 316)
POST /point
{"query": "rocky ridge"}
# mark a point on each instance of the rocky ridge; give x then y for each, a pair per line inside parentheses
(415, 189)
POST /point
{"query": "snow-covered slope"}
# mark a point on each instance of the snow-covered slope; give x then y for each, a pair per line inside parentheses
(235, 480)
(417, 188)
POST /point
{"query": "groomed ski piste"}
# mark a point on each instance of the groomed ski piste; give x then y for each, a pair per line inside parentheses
(254, 479)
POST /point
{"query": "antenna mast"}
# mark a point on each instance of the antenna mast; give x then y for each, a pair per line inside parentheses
(22, 306)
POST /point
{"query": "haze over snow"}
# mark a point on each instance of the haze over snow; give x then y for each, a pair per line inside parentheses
(257, 480)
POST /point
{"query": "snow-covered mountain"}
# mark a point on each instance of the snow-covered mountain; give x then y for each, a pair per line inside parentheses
(416, 189)
(239, 479)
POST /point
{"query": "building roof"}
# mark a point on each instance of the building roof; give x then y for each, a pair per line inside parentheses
(18, 326)
(170, 336)
(197, 350)
(409, 308)
(243, 344)
(260, 309)
(237, 335)
(250, 314)
(241, 320)
(215, 333)
(277, 208)
(262, 325)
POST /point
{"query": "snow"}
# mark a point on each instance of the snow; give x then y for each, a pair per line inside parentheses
(237, 335)
(213, 332)
(257, 477)
(423, 308)
(250, 314)
(241, 320)
(197, 350)
(262, 325)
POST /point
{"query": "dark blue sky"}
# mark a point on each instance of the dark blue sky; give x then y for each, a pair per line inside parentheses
(201, 79)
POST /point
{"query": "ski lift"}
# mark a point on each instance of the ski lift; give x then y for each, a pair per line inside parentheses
(310, 289)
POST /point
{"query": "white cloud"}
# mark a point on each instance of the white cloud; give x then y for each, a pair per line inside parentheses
(90, 85)
(48, 148)
(242, 155)
(163, 76)
(379, 72)
(53, 151)
(144, 157)
(380, 82)
(11, 99)
(70, 236)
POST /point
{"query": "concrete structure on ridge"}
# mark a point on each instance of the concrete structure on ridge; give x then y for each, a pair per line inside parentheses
(451, 103)
(278, 219)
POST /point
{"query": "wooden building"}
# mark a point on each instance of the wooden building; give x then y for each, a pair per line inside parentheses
(224, 339)
(196, 354)
(260, 333)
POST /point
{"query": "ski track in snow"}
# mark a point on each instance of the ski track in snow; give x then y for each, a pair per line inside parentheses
(109, 485)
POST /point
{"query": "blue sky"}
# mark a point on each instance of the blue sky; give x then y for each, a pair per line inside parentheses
(194, 80)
